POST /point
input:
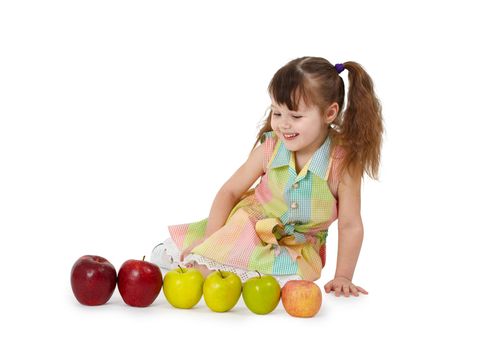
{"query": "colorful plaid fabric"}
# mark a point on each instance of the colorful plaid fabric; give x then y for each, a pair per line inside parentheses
(280, 226)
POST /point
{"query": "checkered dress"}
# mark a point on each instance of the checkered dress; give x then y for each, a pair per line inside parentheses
(280, 226)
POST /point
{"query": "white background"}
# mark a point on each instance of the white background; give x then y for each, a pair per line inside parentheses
(120, 117)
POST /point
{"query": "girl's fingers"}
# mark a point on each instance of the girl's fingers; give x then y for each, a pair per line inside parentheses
(346, 289)
(354, 290)
(362, 290)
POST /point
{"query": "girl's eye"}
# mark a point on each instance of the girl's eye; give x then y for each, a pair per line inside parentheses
(294, 116)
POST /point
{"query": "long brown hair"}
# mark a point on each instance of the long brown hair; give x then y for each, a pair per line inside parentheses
(358, 129)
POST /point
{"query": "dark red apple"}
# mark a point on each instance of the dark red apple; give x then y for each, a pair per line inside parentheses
(93, 280)
(139, 282)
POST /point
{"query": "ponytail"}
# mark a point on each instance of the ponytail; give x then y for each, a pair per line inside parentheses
(361, 124)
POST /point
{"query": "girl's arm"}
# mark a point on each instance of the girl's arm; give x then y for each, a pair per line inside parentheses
(233, 189)
(350, 235)
(221, 207)
(350, 226)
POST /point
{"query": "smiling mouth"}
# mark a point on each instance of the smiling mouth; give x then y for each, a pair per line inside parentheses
(290, 136)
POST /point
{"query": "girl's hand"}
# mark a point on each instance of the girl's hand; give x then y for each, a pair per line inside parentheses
(186, 251)
(342, 284)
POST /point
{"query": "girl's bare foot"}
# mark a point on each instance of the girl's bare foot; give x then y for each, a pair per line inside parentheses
(202, 268)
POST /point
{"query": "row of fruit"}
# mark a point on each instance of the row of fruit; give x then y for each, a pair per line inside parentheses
(93, 281)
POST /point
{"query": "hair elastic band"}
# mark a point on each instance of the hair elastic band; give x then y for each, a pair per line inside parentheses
(339, 67)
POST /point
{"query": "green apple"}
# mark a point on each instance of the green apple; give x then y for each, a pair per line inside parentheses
(261, 294)
(222, 290)
(183, 287)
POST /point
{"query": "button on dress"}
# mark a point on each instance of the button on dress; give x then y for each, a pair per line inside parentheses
(280, 226)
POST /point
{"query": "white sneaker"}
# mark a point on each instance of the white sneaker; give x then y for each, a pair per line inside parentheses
(160, 257)
(166, 255)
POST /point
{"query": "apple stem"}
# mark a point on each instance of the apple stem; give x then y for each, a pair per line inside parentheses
(258, 273)
(181, 268)
(144, 256)
(221, 273)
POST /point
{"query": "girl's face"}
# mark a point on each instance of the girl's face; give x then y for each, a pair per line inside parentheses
(302, 131)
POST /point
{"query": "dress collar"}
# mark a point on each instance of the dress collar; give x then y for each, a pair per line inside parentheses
(318, 163)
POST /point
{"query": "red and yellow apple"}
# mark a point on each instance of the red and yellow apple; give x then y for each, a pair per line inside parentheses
(301, 298)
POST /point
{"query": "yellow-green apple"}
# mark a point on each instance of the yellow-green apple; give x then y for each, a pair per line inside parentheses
(183, 288)
(93, 280)
(261, 294)
(222, 290)
(301, 298)
(139, 282)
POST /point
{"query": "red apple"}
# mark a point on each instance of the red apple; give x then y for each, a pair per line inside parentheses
(93, 280)
(301, 298)
(139, 282)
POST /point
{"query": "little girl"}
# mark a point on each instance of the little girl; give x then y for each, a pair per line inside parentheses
(311, 159)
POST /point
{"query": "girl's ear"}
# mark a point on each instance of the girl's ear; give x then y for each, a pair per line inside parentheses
(331, 113)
